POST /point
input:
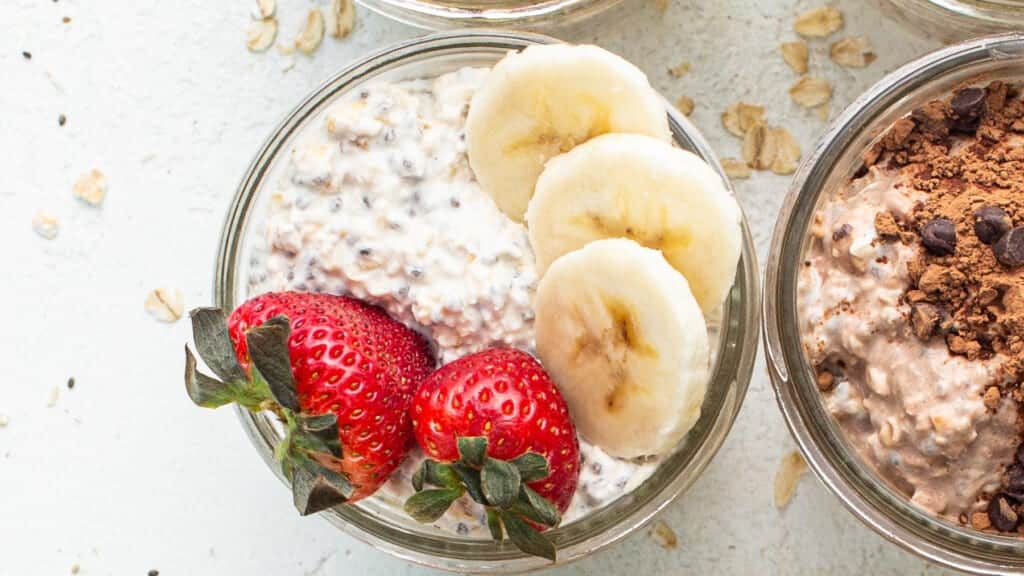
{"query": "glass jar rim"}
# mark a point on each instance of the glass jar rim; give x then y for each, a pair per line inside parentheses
(835, 464)
(437, 15)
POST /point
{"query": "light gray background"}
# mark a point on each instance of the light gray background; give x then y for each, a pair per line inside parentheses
(123, 475)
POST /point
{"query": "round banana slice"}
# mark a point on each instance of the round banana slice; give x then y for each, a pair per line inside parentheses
(544, 101)
(632, 186)
(626, 343)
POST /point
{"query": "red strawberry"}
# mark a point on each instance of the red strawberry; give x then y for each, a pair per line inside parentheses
(505, 398)
(338, 357)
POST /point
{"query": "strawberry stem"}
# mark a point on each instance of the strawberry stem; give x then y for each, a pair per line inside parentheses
(310, 439)
(498, 485)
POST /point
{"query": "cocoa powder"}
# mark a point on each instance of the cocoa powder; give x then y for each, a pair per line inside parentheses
(963, 160)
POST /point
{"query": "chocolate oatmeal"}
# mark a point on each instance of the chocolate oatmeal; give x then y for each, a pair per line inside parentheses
(912, 303)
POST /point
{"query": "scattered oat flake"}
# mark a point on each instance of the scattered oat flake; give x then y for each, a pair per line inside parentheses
(264, 9)
(810, 92)
(796, 55)
(261, 35)
(91, 187)
(787, 152)
(679, 70)
(341, 19)
(165, 305)
(735, 168)
(285, 49)
(685, 104)
(51, 400)
(311, 36)
(852, 52)
(75, 568)
(759, 147)
(791, 469)
(45, 225)
(739, 117)
(819, 22)
(4, 421)
(663, 535)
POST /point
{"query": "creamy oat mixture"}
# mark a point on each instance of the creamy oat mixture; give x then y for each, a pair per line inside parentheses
(912, 410)
(379, 202)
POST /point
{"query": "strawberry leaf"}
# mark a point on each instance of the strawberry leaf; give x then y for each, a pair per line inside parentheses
(500, 481)
(494, 524)
(419, 476)
(471, 481)
(315, 488)
(268, 348)
(319, 433)
(429, 505)
(441, 475)
(204, 390)
(532, 467)
(526, 538)
(472, 450)
(210, 332)
(536, 507)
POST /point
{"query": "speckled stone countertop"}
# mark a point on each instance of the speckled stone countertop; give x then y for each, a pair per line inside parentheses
(122, 475)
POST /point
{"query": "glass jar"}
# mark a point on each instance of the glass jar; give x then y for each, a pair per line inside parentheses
(954, 20)
(390, 530)
(447, 14)
(836, 158)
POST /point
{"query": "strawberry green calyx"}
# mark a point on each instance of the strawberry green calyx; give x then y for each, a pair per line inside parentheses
(498, 485)
(311, 444)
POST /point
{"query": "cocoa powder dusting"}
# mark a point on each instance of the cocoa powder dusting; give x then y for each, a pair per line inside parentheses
(960, 173)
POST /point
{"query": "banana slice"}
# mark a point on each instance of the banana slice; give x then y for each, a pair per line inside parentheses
(626, 343)
(544, 101)
(632, 186)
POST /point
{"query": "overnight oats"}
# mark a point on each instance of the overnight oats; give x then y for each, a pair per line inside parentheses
(911, 303)
(440, 266)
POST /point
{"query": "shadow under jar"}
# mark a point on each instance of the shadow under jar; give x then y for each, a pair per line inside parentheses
(835, 160)
(387, 527)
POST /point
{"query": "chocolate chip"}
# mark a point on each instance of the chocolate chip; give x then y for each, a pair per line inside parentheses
(925, 318)
(1009, 250)
(1002, 513)
(826, 380)
(990, 223)
(1015, 479)
(968, 105)
(939, 237)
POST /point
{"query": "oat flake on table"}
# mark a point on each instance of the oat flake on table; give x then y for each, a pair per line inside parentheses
(735, 168)
(45, 225)
(741, 117)
(165, 305)
(791, 469)
(811, 92)
(264, 9)
(91, 187)
(664, 535)
(819, 22)
(261, 35)
(341, 18)
(852, 52)
(796, 55)
(313, 33)
(685, 104)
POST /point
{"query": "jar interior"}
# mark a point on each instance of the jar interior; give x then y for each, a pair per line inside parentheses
(863, 123)
(389, 528)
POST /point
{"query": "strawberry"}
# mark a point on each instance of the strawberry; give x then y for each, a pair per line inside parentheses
(339, 373)
(497, 427)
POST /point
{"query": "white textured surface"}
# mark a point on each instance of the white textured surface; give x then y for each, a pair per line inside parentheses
(123, 475)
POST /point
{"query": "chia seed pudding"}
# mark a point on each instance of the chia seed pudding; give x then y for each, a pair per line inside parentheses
(379, 202)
